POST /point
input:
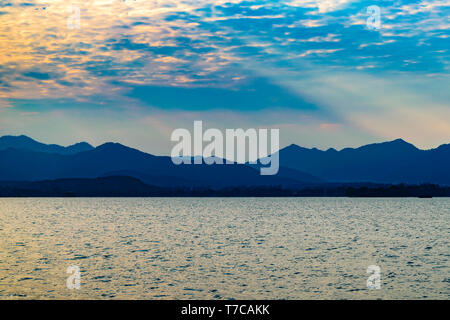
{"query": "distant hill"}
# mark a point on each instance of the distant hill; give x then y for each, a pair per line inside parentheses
(25, 143)
(98, 187)
(24, 159)
(388, 162)
(116, 159)
(119, 186)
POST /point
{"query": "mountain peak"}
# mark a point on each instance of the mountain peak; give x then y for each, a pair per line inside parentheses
(112, 145)
(402, 143)
(398, 141)
(397, 145)
(19, 142)
(294, 147)
(116, 147)
(79, 147)
(23, 142)
(84, 144)
(21, 137)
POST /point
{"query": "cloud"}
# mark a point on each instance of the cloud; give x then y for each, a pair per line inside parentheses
(239, 17)
(318, 51)
(328, 38)
(197, 42)
(363, 45)
(313, 23)
(303, 58)
(169, 59)
(323, 6)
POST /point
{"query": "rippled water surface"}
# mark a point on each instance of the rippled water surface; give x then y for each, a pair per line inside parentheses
(217, 248)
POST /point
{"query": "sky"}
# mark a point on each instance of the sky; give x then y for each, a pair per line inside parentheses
(132, 71)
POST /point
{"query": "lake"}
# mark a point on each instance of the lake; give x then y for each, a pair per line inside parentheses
(224, 248)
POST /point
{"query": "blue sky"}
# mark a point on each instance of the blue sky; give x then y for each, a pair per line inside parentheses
(136, 70)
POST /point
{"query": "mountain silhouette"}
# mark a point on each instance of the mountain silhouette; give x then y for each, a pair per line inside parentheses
(25, 143)
(112, 159)
(123, 186)
(24, 159)
(395, 161)
(97, 187)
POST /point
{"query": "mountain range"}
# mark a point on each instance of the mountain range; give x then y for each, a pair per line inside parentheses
(24, 159)
(389, 162)
(25, 143)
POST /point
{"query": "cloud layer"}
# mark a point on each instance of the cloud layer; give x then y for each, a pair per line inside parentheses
(312, 68)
